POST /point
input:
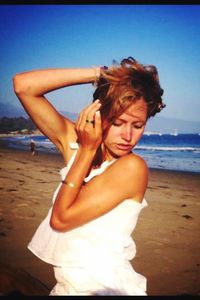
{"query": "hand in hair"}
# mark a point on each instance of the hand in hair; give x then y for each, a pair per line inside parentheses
(88, 127)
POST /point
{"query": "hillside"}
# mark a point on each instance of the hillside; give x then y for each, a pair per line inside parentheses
(158, 123)
(16, 125)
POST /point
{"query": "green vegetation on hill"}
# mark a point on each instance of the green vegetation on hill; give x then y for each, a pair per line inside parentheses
(19, 124)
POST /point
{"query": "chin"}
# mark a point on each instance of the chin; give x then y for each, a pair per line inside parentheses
(119, 153)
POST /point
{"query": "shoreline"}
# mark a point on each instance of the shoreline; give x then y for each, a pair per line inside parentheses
(4, 144)
(166, 235)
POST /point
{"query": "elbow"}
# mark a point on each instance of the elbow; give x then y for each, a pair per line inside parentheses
(20, 84)
(57, 225)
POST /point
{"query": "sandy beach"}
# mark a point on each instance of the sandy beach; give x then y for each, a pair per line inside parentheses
(166, 236)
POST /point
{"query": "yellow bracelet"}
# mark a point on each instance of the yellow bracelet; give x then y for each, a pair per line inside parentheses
(70, 184)
(97, 73)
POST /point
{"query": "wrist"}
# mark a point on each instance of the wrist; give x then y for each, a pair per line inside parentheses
(87, 151)
(97, 74)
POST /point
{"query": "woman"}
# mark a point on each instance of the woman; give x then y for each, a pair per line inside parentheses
(86, 235)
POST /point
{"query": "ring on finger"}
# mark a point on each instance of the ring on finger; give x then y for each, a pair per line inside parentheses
(89, 121)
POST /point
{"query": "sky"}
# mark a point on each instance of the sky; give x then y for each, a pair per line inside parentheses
(58, 36)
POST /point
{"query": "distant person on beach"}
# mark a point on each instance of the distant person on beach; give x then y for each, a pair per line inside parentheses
(86, 235)
(32, 147)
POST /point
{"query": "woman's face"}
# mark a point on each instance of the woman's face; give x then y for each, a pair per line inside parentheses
(126, 130)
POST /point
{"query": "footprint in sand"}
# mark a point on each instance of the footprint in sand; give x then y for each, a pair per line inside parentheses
(19, 213)
(3, 234)
(21, 162)
(35, 202)
(41, 181)
(187, 216)
(163, 186)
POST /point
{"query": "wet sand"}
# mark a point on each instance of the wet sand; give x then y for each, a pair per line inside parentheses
(166, 236)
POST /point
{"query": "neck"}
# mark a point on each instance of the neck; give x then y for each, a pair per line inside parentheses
(107, 155)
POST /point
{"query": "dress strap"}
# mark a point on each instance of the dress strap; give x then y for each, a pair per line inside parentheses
(74, 146)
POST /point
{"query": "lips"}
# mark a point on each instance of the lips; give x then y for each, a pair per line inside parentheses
(124, 147)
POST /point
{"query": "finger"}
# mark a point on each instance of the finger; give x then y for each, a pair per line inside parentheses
(86, 117)
(90, 106)
(97, 119)
(83, 114)
(78, 122)
(91, 113)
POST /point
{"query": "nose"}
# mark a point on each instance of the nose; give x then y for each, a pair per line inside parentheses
(127, 133)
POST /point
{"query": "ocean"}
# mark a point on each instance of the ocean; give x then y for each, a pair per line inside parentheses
(178, 152)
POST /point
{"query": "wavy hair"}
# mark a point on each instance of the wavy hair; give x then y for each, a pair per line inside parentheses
(123, 84)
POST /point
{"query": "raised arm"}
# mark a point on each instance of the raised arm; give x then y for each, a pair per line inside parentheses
(30, 88)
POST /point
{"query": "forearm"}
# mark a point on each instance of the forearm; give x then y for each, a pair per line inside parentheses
(40, 82)
(67, 194)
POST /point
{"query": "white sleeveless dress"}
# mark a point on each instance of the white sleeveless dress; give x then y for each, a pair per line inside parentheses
(93, 259)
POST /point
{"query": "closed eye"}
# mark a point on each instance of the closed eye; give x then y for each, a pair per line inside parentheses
(117, 123)
(138, 126)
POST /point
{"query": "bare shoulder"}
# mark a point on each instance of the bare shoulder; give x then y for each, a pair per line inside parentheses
(131, 163)
(131, 173)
